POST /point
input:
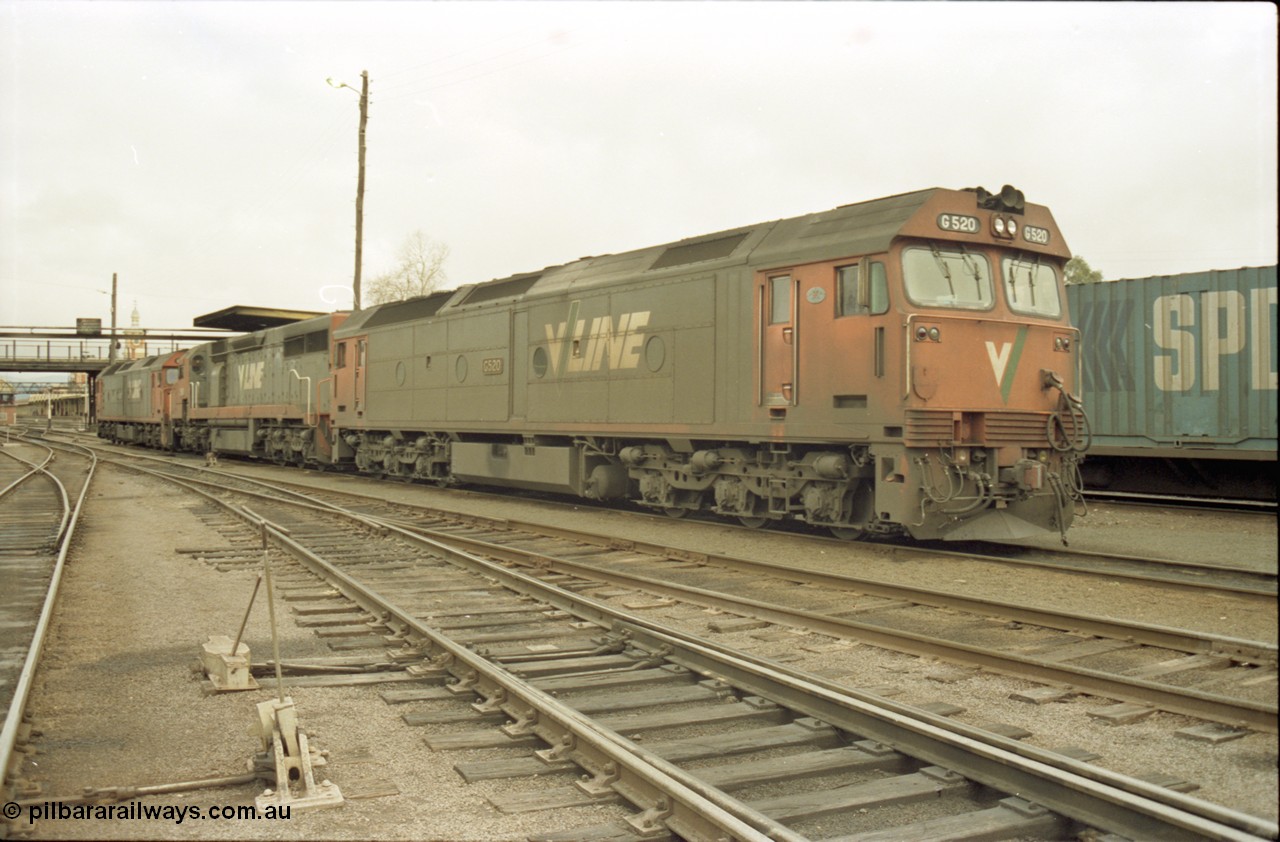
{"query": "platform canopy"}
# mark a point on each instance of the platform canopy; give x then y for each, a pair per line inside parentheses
(246, 319)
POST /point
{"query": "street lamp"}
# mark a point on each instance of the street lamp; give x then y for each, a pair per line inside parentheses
(364, 119)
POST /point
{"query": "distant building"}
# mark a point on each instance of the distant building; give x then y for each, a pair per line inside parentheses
(8, 397)
(135, 342)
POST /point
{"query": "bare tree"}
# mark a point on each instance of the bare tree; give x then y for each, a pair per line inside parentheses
(419, 270)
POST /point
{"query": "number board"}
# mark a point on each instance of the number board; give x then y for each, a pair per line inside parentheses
(492, 365)
(958, 222)
(1032, 234)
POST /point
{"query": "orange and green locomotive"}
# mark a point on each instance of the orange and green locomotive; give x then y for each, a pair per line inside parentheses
(902, 365)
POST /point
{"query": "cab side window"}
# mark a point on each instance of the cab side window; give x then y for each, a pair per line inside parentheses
(878, 300)
(847, 285)
(780, 300)
(862, 289)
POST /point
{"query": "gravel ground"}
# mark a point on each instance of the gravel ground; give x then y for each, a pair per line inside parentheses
(118, 705)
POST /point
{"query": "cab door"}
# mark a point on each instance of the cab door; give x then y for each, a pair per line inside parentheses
(349, 374)
(778, 350)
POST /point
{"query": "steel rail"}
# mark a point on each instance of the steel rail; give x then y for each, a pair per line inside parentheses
(1258, 716)
(692, 806)
(1145, 633)
(22, 687)
(689, 808)
(1092, 795)
(1267, 591)
(34, 468)
(1015, 555)
(1188, 701)
(1148, 634)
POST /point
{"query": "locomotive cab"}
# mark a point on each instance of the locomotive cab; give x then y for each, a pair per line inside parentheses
(992, 431)
(947, 362)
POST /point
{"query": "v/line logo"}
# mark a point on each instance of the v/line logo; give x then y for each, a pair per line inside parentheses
(578, 346)
(249, 375)
(1004, 361)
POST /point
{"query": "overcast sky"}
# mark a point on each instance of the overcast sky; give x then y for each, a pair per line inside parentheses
(196, 149)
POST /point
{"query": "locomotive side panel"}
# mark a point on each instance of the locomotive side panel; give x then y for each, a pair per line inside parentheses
(734, 369)
(665, 366)
(557, 395)
(695, 386)
(390, 354)
(478, 367)
(629, 355)
(246, 376)
(430, 369)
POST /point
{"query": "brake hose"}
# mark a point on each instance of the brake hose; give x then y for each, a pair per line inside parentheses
(1080, 436)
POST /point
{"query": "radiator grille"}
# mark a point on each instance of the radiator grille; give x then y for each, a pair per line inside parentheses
(927, 429)
(1025, 428)
(931, 428)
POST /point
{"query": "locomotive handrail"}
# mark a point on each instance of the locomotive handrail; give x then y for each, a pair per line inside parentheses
(306, 418)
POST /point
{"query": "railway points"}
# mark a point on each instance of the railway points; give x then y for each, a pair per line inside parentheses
(455, 723)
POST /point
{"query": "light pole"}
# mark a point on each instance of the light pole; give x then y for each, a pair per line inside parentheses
(364, 119)
(111, 352)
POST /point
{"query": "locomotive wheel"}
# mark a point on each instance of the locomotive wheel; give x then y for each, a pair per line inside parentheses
(848, 533)
(675, 512)
(753, 522)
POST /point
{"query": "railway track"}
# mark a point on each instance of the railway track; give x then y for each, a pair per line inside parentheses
(1183, 501)
(1212, 677)
(469, 622)
(40, 501)
(1171, 573)
(1223, 577)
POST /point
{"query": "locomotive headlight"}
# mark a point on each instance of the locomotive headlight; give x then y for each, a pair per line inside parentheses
(998, 224)
(935, 334)
(1013, 228)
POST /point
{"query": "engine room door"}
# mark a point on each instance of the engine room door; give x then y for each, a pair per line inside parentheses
(777, 293)
(349, 375)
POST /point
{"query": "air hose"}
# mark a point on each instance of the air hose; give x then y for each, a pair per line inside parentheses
(1079, 434)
